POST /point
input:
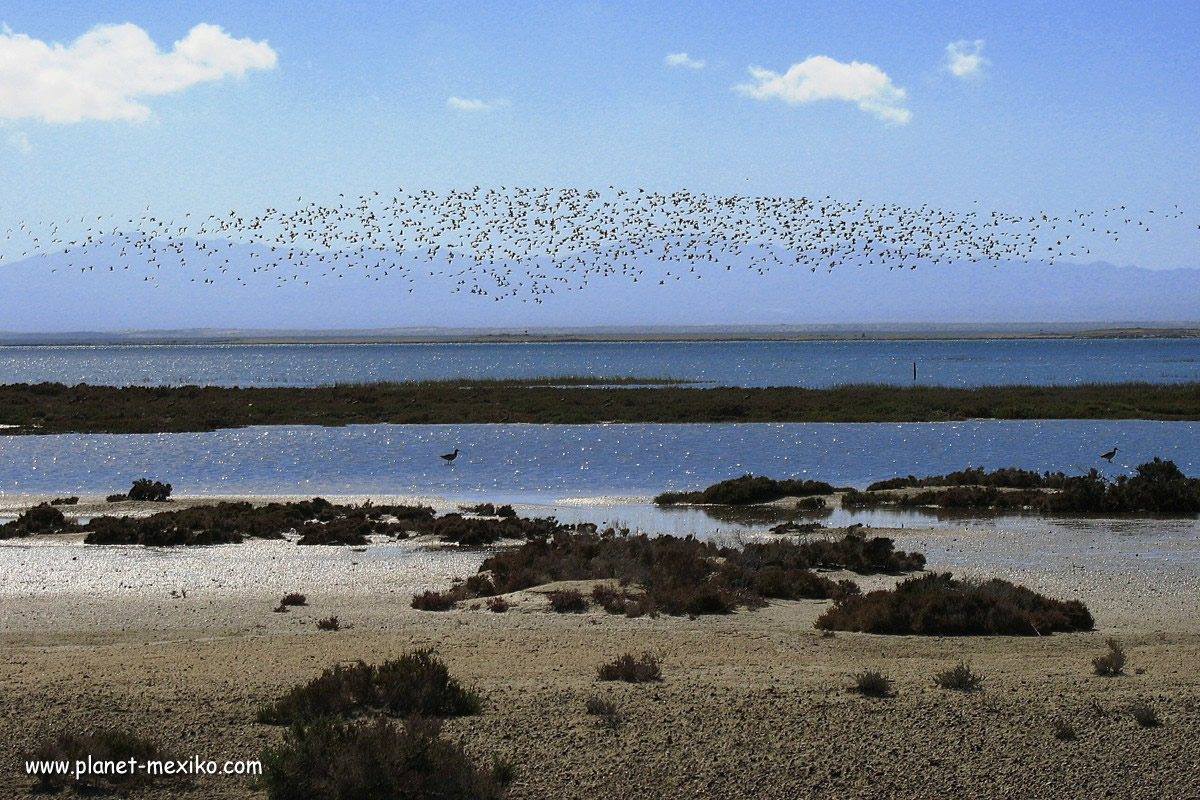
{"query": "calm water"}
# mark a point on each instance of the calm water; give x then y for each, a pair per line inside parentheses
(542, 463)
(965, 362)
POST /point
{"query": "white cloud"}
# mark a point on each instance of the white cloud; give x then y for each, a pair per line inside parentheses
(823, 78)
(102, 74)
(19, 141)
(470, 104)
(683, 60)
(965, 58)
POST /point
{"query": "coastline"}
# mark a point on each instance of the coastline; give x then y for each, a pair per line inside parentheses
(753, 704)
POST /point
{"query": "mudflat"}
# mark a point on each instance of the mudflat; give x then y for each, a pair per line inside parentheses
(183, 647)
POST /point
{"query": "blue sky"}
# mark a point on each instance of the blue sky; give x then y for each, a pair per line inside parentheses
(1027, 107)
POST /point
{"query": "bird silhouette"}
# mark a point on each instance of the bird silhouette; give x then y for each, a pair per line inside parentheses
(449, 457)
(1109, 455)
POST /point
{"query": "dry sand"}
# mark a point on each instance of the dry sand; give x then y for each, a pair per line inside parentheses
(753, 704)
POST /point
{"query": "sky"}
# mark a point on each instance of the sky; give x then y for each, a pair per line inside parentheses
(128, 108)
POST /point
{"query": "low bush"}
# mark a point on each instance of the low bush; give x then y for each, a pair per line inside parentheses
(146, 489)
(431, 600)
(498, 604)
(116, 498)
(329, 624)
(1062, 729)
(1111, 663)
(632, 669)
(746, 489)
(605, 709)
(293, 599)
(111, 745)
(872, 683)
(416, 683)
(64, 501)
(1145, 715)
(959, 678)
(376, 759)
(42, 518)
(567, 601)
(938, 605)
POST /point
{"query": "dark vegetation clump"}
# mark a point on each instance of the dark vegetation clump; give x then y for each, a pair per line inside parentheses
(567, 601)
(959, 678)
(744, 490)
(873, 683)
(42, 518)
(1111, 663)
(293, 599)
(937, 605)
(331, 623)
(498, 604)
(1145, 715)
(116, 498)
(146, 489)
(632, 669)
(416, 683)
(1156, 486)
(1005, 478)
(682, 575)
(377, 758)
(430, 600)
(64, 501)
(105, 745)
(606, 710)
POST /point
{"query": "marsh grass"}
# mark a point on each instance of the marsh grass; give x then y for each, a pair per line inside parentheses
(56, 408)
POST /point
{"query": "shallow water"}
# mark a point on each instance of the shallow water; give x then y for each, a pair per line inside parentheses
(814, 364)
(541, 463)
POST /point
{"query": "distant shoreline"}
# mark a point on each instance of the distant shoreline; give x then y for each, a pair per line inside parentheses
(866, 332)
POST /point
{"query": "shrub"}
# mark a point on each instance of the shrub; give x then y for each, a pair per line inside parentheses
(376, 759)
(1062, 729)
(960, 678)
(632, 669)
(498, 604)
(416, 683)
(938, 605)
(146, 489)
(1145, 714)
(105, 745)
(1111, 663)
(873, 684)
(567, 601)
(116, 498)
(64, 501)
(329, 624)
(430, 600)
(293, 599)
(606, 710)
(614, 601)
(746, 489)
(42, 518)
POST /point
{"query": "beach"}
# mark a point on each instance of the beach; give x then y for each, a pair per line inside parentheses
(182, 646)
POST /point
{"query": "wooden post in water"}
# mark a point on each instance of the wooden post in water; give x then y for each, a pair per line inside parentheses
(914, 371)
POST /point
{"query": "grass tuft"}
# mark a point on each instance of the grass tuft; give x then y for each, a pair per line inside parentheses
(632, 669)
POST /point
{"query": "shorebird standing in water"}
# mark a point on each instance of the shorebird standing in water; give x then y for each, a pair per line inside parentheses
(450, 456)
(1106, 456)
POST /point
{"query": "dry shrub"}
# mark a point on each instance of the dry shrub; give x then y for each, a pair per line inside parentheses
(377, 759)
(959, 678)
(632, 669)
(567, 601)
(416, 683)
(105, 745)
(873, 684)
(1111, 663)
(938, 605)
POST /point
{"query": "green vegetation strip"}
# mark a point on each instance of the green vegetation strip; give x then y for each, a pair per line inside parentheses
(56, 408)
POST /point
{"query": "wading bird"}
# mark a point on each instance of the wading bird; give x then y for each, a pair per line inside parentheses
(450, 456)
(1106, 456)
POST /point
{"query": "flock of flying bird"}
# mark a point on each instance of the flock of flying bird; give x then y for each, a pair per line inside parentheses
(525, 243)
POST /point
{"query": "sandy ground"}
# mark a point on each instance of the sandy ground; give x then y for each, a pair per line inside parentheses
(753, 704)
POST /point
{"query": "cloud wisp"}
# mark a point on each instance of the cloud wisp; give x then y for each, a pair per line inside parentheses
(824, 78)
(683, 60)
(102, 74)
(474, 105)
(964, 58)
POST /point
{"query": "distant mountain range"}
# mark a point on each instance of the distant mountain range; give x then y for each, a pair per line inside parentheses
(52, 295)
